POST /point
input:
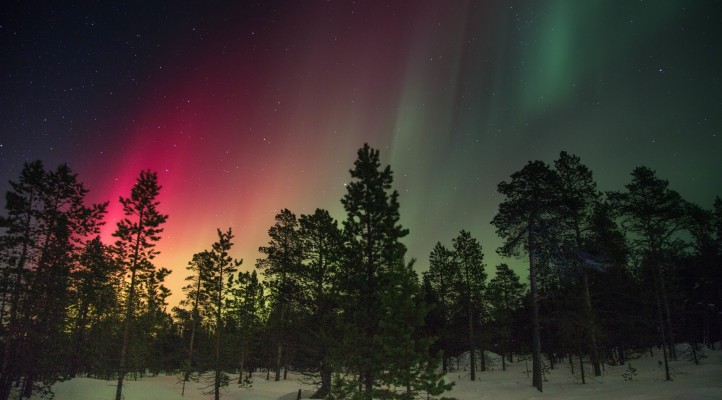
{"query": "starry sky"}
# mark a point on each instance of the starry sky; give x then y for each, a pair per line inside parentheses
(248, 107)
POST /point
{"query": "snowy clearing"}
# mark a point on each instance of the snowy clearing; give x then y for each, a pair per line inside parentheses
(698, 382)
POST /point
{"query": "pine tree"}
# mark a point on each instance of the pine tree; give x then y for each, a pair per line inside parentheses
(505, 294)
(136, 235)
(47, 224)
(717, 222)
(655, 215)
(94, 297)
(578, 196)
(222, 268)
(470, 281)
(154, 324)
(197, 299)
(280, 267)
(699, 277)
(318, 285)
(716, 279)
(371, 235)
(619, 296)
(377, 289)
(409, 369)
(442, 276)
(245, 313)
(525, 220)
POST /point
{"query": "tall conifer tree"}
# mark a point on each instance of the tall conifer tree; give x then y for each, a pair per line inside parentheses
(95, 297)
(505, 294)
(245, 311)
(321, 242)
(280, 267)
(222, 268)
(655, 214)
(379, 289)
(136, 235)
(525, 219)
(470, 281)
(578, 196)
(442, 277)
(197, 299)
(47, 224)
(372, 236)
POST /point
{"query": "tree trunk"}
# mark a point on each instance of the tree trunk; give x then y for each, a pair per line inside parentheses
(5, 387)
(194, 324)
(78, 342)
(368, 385)
(620, 354)
(6, 375)
(694, 353)
(217, 383)
(472, 350)
(122, 369)
(668, 320)
(279, 347)
(581, 364)
(536, 340)
(662, 326)
(482, 359)
(27, 389)
(241, 365)
(279, 354)
(591, 327)
(219, 324)
(129, 309)
(325, 387)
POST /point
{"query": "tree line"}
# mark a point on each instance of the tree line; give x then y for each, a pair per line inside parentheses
(610, 274)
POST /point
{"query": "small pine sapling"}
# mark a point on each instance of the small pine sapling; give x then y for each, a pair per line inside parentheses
(630, 374)
(545, 370)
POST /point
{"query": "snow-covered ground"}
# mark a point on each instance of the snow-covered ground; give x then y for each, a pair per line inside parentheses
(698, 382)
(689, 381)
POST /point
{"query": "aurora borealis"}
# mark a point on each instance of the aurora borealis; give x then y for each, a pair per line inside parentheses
(245, 108)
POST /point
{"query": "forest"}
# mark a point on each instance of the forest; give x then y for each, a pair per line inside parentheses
(610, 274)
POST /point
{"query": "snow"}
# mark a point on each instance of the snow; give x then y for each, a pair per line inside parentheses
(690, 381)
(168, 387)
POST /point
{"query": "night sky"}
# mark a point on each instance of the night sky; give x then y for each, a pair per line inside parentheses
(251, 107)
